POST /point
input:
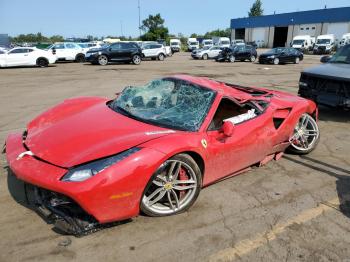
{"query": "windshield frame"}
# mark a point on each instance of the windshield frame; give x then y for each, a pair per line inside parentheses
(126, 113)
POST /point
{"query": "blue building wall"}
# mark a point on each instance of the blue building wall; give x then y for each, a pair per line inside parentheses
(331, 15)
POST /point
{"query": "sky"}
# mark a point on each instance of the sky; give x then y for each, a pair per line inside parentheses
(79, 18)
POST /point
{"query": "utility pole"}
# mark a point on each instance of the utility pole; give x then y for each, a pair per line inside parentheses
(139, 17)
(121, 27)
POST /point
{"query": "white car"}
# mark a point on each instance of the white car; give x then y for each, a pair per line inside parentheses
(68, 52)
(154, 51)
(206, 52)
(26, 56)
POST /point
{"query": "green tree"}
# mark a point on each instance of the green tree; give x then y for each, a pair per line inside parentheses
(256, 9)
(154, 28)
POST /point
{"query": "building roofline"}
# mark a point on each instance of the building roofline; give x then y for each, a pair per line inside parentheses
(328, 15)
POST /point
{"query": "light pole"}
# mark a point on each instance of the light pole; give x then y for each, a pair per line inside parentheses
(139, 17)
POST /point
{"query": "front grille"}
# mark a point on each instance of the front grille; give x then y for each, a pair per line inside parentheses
(325, 91)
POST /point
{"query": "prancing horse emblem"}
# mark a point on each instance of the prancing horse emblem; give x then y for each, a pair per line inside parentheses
(26, 153)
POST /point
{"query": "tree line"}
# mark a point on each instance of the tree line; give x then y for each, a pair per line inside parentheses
(153, 28)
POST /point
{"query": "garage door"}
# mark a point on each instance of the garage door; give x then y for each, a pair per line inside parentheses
(258, 35)
(338, 29)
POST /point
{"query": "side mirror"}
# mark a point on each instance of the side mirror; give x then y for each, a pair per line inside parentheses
(325, 59)
(228, 128)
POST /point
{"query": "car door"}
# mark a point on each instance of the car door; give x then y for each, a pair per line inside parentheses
(60, 51)
(284, 56)
(17, 57)
(115, 52)
(146, 50)
(247, 146)
(214, 51)
(239, 53)
(71, 50)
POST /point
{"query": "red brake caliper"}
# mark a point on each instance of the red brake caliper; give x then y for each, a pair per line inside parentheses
(183, 176)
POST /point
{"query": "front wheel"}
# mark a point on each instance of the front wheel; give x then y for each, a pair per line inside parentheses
(173, 188)
(136, 59)
(205, 57)
(252, 58)
(306, 135)
(276, 61)
(231, 59)
(297, 60)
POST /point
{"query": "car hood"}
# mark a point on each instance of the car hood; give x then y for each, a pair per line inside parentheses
(85, 129)
(330, 70)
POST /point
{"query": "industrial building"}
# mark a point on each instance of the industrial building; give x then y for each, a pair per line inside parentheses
(278, 30)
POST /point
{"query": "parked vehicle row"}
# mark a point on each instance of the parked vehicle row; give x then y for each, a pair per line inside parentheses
(238, 52)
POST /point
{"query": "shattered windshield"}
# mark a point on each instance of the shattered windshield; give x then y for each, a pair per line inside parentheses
(168, 102)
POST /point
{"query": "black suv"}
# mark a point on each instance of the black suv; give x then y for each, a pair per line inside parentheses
(117, 52)
(237, 52)
(328, 84)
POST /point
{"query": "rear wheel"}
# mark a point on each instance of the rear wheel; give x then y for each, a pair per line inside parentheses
(306, 135)
(161, 57)
(42, 62)
(136, 59)
(80, 58)
(102, 60)
(252, 58)
(173, 188)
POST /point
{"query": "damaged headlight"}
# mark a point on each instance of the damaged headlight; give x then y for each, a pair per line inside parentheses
(85, 171)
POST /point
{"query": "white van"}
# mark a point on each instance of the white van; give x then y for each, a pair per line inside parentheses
(345, 40)
(238, 42)
(192, 44)
(221, 41)
(303, 43)
(325, 44)
(175, 45)
(207, 43)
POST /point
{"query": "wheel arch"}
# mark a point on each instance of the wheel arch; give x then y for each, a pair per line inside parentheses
(42, 57)
(198, 159)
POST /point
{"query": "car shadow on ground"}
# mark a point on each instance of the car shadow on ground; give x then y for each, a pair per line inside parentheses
(342, 175)
(26, 67)
(333, 114)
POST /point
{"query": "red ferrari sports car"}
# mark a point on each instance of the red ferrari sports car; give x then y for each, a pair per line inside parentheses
(90, 161)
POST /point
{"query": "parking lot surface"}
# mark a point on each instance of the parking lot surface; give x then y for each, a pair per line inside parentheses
(295, 209)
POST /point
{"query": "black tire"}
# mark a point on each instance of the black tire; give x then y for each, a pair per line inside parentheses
(136, 59)
(205, 57)
(42, 62)
(252, 58)
(102, 60)
(80, 58)
(198, 174)
(161, 57)
(232, 59)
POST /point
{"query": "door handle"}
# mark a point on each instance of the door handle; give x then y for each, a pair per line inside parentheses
(25, 55)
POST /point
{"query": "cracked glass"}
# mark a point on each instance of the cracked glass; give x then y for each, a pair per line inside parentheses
(169, 102)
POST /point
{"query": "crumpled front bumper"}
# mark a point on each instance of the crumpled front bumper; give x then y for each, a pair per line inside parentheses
(112, 195)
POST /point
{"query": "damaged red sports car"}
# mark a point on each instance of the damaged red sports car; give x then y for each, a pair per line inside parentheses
(90, 161)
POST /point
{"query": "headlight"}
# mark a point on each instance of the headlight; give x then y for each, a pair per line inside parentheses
(271, 57)
(328, 47)
(85, 171)
(302, 83)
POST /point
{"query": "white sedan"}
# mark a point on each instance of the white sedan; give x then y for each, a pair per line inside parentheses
(26, 56)
(206, 53)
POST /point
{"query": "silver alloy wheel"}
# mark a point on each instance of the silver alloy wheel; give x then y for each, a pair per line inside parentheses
(297, 60)
(252, 58)
(168, 193)
(103, 60)
(306, 134)
(136, 59)
(232, 59)
(276, 61)
(205, 57)
(160, 57)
